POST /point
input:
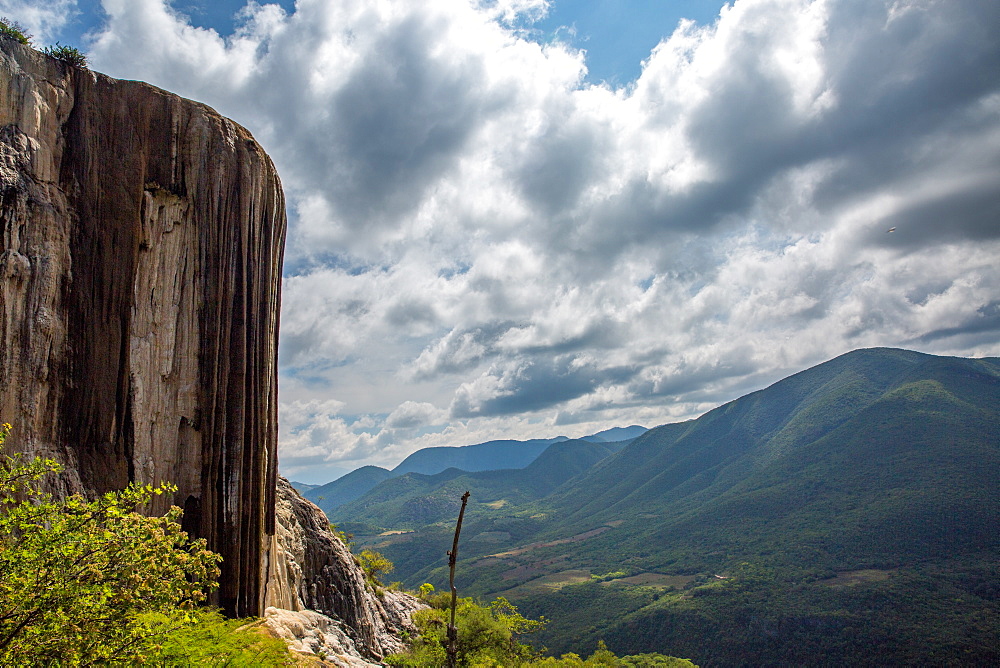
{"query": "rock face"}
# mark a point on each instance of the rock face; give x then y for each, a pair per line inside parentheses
(140, 258)
(313, 570)
(142, 239)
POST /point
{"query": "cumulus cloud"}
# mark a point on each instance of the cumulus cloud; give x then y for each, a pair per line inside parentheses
(43, 21)
(525, 385)
(480, 240)
(411, 414)
(313, 433)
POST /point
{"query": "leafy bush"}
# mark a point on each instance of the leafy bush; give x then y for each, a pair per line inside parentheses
(78, 577)
(14, 30)
(487, 635)
(67, 54)
(345, 537)
(374, 566)
(604, 657)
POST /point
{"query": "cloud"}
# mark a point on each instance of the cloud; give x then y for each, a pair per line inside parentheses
(459, 351)
(313, 433)
(411, 414)
(525, 385)
(43, 22)
(479, 240)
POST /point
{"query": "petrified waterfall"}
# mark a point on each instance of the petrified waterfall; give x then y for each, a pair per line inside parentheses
(141, 265)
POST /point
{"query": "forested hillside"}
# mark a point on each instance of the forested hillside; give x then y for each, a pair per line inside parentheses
(849, 511)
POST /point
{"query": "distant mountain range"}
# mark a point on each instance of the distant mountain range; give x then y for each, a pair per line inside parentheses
(847, 514)
(492, 455)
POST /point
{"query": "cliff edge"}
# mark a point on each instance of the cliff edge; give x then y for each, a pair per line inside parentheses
(141, 263)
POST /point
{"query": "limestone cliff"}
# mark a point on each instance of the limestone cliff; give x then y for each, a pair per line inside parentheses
(141, 264)
(140, 260)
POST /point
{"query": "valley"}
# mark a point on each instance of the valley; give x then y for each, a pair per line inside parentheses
(849, 511)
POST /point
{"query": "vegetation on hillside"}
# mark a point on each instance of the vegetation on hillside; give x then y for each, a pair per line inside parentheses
(14, 30)
(491, 634)
(67, 54)
(849, 507)
(374, 566)
(210, 639)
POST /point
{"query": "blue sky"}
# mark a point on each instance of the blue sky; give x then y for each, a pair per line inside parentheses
(617, 34)
(502, 226)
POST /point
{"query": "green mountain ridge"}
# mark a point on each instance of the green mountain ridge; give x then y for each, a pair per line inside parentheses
(346, 488)
(414, 499)
(491, 455)
(848, 513)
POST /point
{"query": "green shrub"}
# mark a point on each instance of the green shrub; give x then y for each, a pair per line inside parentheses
(487, 635)
(14, 30)
(374, 565)
(345, 537)
(67, 54)
(79, 577)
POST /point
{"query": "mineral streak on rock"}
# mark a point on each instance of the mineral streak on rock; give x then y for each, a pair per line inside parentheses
(141, 263)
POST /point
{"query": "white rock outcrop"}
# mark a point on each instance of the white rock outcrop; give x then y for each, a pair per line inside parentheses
(312, 569)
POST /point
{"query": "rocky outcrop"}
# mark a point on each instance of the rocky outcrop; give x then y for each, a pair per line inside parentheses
(140, 257)
(310, 633)
(312, 569)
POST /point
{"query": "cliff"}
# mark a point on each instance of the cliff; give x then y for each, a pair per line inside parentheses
(141, 264)
(140, 259)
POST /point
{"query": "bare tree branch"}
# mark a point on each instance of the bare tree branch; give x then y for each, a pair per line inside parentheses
(452, 648)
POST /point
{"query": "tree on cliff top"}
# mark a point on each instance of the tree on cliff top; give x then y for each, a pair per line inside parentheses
(67, 54)
(78, 576)
(14, 30)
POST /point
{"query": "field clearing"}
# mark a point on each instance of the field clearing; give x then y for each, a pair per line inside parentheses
(491, 537)
(655, 580)
(533, 568)
(552, 582)
(854, 578)
(552, 543)
(384, 540)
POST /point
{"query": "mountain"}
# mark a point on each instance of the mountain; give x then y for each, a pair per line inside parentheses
(834, 427)
(506, 454)
(847, 514)
(346, 488)
(412, 500)
(420, 510)
(301, 487)
(429, 461)
(617, 434)
(492, 455)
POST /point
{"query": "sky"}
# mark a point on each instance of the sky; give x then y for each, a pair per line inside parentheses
(530, 218)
